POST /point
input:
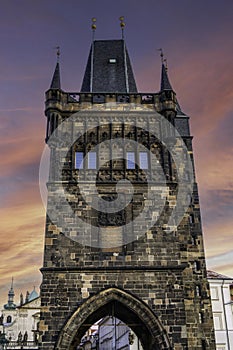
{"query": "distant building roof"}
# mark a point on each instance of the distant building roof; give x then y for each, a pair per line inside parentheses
(215, 275)
(33, 295)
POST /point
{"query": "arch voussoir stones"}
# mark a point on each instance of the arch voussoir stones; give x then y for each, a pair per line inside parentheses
(129, 309)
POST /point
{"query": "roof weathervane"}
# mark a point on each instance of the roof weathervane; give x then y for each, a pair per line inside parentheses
(93, 27)
(163, 60)
(122, 24)
(58, 52)
(161, 55)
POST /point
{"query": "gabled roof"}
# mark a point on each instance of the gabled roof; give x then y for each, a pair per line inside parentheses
(108, 68)
(31, 304)
(56, 81)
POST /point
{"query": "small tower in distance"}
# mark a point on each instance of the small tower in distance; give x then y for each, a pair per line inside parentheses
(10, 305)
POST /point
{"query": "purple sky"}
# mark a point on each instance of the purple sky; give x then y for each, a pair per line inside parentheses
(197, 40)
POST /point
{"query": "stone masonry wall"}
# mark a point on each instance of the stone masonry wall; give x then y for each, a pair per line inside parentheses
(165, 270)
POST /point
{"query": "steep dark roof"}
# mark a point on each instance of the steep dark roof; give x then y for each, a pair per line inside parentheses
(165, 83)
(178, 108)
(56, 82)
(110, 73)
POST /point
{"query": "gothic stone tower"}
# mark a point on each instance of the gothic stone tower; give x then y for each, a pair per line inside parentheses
(123, 230)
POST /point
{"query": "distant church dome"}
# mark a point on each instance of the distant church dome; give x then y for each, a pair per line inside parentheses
(33, 295)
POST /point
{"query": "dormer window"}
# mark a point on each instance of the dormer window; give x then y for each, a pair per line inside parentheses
(112, 60)
(8, 319)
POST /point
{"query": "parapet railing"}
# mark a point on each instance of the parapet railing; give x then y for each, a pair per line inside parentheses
(13, 345)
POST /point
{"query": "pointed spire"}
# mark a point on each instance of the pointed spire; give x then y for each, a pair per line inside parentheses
(11, 293)
(56, 81)
(12, 282)
(27, 297)
(21, 299)
(165, 83)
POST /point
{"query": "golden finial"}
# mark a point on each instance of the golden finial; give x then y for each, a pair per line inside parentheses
(122, 24)
(93, 27)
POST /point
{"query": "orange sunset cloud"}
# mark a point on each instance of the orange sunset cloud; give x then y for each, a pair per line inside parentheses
(22, 227)
(197, 42)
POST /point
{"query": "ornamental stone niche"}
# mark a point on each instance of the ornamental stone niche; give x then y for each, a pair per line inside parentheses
(123, 234)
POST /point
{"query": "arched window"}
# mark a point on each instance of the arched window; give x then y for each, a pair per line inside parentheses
(197, 266)
(198, 291)
(191, 219)
(8, 319)
(201, 317)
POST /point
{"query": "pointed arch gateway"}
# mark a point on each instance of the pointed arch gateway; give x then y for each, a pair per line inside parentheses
(129, 309)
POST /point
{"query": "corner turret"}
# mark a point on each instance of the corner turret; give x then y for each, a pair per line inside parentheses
(53, 100)
(56, 81)
(167, 94)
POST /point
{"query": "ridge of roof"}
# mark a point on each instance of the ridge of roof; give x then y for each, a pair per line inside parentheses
(215, 275)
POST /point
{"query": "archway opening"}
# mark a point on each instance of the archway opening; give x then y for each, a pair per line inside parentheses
(121, 305)
(110, 333)
(113, 325)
